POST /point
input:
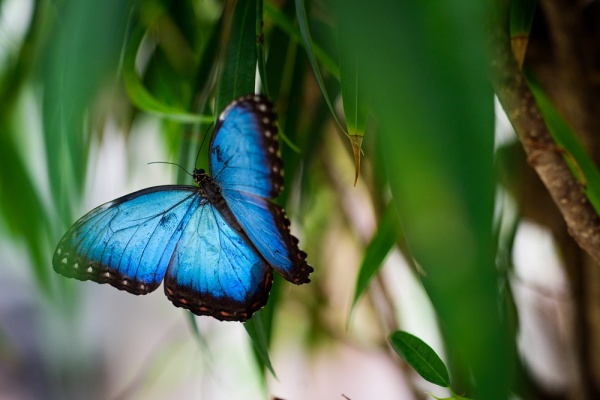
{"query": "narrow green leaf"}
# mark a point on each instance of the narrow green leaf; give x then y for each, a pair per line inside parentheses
(382, 242)
(420, 357)
(521, 16)
(283, 23)
(239, 70)
(237, 79)
(575, 155)
(138, 93)
(256, 329)
(521, 19)
(83, 53)
(356, 109)
(260, 47)
(304, 31)
(22, 208)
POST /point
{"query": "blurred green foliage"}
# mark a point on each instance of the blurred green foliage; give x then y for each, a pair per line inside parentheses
(413, 79)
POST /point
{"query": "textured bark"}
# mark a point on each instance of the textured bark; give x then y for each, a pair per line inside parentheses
(564, 55)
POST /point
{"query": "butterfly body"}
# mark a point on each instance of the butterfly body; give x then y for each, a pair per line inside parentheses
(214, 245)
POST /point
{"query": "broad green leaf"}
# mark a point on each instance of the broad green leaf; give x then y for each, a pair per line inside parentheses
(304, 31)
(239, 69)
(140, 95)
(382, 242)
(420, 357)
(426, 75)
(581, 164)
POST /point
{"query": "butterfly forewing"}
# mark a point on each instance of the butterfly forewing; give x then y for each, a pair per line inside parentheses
(244, 151)
(127, 242)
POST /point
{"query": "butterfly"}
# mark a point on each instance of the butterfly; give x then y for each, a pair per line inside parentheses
(216, 244)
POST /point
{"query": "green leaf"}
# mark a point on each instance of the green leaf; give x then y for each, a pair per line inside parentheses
(521, 16)
(283, 23)
(82, 56)
(574, 153)
(139, 94)
(239, 71)
(356, 108)
(426, 74)
(22, 208)
(420, 357)
(237, 79)
(304, 31)
(382, 242)
(255, 327)
(521, 19)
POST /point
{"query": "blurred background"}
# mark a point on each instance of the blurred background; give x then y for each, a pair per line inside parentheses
(404, 182)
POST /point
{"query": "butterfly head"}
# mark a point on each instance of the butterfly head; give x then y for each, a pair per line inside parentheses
(199, 175)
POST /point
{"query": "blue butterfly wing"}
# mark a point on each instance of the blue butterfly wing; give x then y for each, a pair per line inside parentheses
(128, 242)
(245, 162)
(213, 270)
(267, 227)
(244, 151)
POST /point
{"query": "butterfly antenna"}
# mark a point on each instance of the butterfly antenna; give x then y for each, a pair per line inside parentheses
(202, 143)
(170, 163)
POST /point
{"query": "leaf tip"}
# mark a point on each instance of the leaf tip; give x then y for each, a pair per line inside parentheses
(356, 141)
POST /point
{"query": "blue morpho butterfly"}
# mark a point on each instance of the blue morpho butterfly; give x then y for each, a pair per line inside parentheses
(215, 244)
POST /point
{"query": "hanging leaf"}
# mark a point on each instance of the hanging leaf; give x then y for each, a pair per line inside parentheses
(304, 31)
(239, 69)
(356, 109)
(521, 18)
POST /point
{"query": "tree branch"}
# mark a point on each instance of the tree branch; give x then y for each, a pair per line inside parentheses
(542, 152)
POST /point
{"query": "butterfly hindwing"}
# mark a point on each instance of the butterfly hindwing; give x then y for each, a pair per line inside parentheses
(244, 151)
(268, 227)
(214, 272)
(127, 242)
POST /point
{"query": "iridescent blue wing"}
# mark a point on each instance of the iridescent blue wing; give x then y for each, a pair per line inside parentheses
(213, 270)
(268, 228)
(244, 152)
(128, 242)
(245, 162)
